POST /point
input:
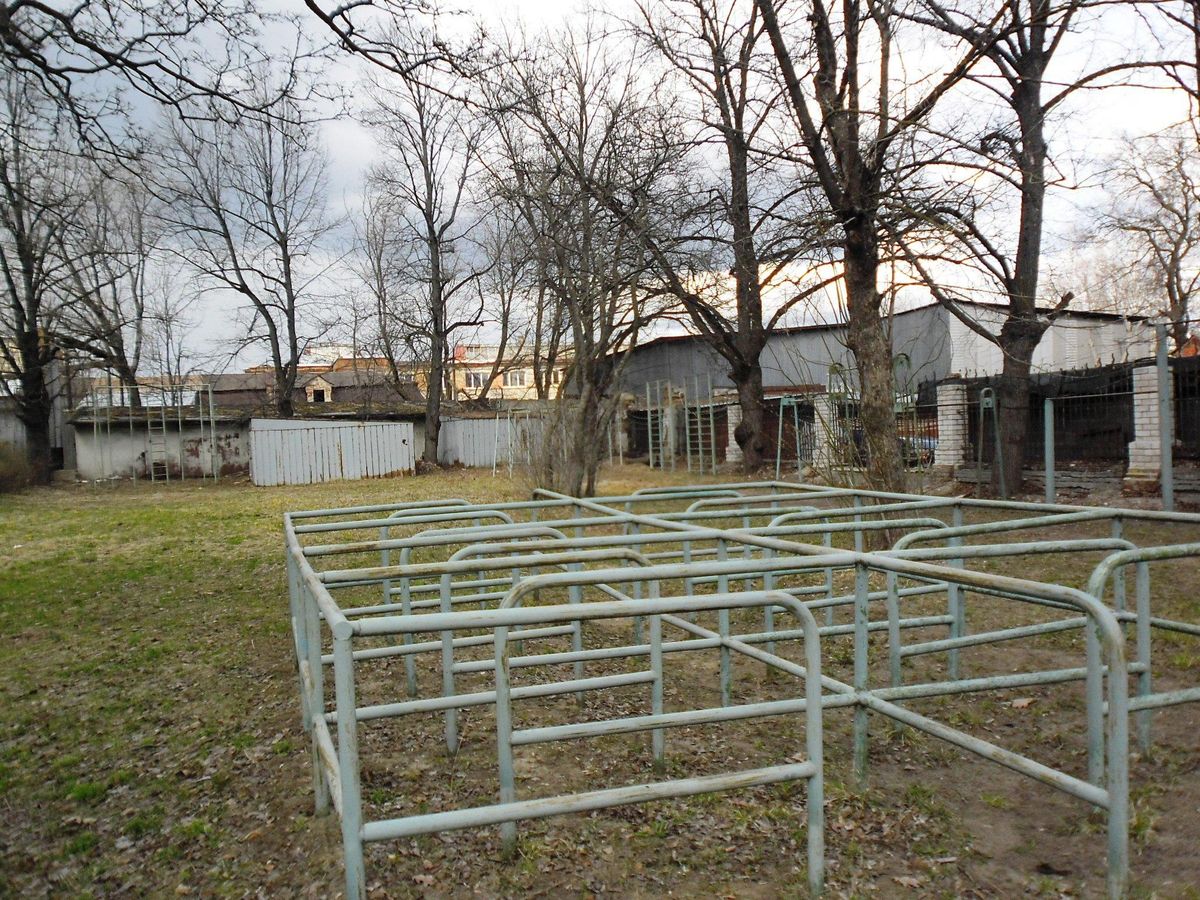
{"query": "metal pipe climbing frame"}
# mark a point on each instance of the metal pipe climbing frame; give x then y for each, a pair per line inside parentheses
(493, 578)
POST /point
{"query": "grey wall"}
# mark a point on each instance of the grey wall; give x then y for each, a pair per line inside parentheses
(801, 357)
(12, 429)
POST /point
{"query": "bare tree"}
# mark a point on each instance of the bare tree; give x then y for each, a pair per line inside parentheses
(246, 207)
(1157, 210)
(375, 241)
(41, 186)
(744, 206)
(1010, 159)
(854, 118)
(112, 251)
(504, 291)
(86, 58)
(430, 143)
(588, 166)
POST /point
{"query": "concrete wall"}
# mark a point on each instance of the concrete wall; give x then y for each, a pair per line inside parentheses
(120, 452)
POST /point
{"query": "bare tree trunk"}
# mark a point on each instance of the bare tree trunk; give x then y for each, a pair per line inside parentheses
(1018, 340)
(34, 410)
(433, 403)
(750, 433)
(870, 343)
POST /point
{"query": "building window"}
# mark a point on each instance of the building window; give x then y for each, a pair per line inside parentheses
(514, 378)
(476, 379)
(318, 395)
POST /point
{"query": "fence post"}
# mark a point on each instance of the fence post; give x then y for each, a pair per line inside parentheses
(826, 453)
(1048, 442)
(1166, 430)
(952, 426)
(733, 418)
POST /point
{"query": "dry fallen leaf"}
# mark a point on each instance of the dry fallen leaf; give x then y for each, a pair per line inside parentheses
(908, 881)
(1023, 702)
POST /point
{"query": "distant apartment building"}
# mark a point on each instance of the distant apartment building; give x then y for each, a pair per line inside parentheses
(481, 371)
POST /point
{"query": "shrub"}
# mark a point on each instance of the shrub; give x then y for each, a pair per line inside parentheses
(14, 469)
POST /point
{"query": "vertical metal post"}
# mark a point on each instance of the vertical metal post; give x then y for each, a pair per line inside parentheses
(687, 429)
(1118, 576)
(495, 443)
(827, 540)
(311, 625)
(862, 584)
(1166, 429)
(1142, 589)
(214, 456)
(723, 628)
(179, 421)
(712, 427)
(657, 739)
(575, 595)
(858, 533)
(347, 751)
(815, 746)
(410, 661)
(504, 747)
(1094, 692)
(769, 609)
(649, 429)
(954, 600)
(1118, 773)
(779, 441)
(893, 616)
(1048, 449)
(448, 689)
(796, 432)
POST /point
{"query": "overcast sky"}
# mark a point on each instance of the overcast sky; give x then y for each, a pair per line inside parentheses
(1091, 128)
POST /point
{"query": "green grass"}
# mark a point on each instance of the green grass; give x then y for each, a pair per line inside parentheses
(149, 726)
(149, 691)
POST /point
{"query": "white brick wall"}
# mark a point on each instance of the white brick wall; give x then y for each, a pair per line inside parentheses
(1145, 459)
(952, 425)
(733, 453)
(825, 454)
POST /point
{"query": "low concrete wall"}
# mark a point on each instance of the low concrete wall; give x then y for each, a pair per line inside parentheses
(123, 452)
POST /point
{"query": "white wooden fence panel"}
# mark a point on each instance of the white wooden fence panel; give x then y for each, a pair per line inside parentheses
(298, 451)
(483, 442)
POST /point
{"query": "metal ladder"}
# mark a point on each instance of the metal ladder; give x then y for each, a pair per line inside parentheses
(156, 439)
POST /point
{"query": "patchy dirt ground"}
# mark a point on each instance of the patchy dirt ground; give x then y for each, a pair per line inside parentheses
(150, 740)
